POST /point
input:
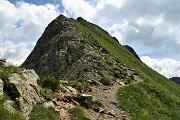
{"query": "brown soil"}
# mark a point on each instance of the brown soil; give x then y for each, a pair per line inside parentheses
(107, 95)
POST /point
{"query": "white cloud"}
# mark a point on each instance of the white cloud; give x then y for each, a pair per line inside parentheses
(21, 26)
(78, 8)
(15, 53)
(167, 67)
(115, 3)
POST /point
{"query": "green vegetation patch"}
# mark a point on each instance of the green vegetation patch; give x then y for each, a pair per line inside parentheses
(88, 102)
(80, 85)
(128, 81)
(48, 94)
(39, 112)
(5, 72)
(78, 113)
(106, 80)
(6, 115)
(49, 82)
(146, 102)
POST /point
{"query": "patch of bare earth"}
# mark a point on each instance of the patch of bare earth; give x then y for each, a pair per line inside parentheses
(107, 95)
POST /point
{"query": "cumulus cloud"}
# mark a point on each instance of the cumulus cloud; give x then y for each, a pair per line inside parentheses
(167, 67)
(76, 8)
(16, 53)
(21, 26)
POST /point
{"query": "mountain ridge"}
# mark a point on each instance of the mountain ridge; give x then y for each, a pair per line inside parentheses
(175, 79)
(87, 74)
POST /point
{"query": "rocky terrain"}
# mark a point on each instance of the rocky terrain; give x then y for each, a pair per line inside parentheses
(24, 92)
(20, 85)
(77, 71)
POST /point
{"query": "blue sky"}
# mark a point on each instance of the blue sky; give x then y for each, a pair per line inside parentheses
(151, 27)
(38, 2)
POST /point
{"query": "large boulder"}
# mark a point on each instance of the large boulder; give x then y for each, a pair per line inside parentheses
(22, 88)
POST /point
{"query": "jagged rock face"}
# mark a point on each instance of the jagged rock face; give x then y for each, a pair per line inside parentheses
(67, 53)
(22, 88)
(58, 48)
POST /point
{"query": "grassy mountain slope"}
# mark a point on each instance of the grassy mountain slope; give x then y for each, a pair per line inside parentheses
(155, 98)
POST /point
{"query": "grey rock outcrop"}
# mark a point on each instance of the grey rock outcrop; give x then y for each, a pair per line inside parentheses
(58, 48)
(23, 89)
(9, 105)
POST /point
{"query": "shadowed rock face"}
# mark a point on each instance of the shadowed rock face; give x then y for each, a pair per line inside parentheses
(58, 48)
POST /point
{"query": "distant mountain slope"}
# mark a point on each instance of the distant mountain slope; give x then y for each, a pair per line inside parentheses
(175, 79)
(77, 49)
(132, 51)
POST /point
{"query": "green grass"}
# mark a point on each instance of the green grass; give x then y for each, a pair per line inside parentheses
(5, 72)
(6, 115)
(106, 80)
(80, 85)
(49, 82)
(39, 112)
(78, 113)
(154, 99)
(48, 94)
(128, 81)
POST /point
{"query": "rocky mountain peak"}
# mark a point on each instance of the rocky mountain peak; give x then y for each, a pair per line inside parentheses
(57, 49)
(68, 52)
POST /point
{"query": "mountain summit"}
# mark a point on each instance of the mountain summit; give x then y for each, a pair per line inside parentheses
(86, 57)
(68, 51)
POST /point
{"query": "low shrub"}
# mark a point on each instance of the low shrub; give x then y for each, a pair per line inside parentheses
(96, 105)
(81, 86)
(5, 72)
(78, 113)
(49, 82)
(48, 94)
(6, 115)
(106, 80)
(39, 112)
(132, 77)
(89, 102)
(127, 81)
